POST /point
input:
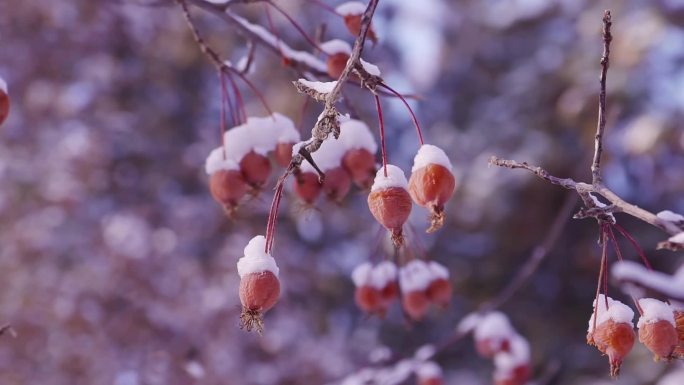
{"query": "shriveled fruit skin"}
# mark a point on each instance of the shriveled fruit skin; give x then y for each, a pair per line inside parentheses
(336, 184)
(259, 291)
(439, 292)
(415, 304)
(4, 106)
(336, 64)
(615, 339)
(432, 186)
(283, 154)
(431, 381)
(679, 320)
(368, 299)
(353, 23)
(307, 187)
(660, 338)
(391, 207)
(227, 187)
(360, 164)
(255, 169)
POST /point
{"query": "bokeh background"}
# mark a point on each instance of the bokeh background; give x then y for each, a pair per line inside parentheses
(117, 267)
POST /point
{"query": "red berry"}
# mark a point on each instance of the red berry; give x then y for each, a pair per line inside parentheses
(283, 154)
(432, 184)
(255, 168)
(336, 64)
(353, 23)
(415, 303)
(360, 164)
(336, 184)
(227, 187)
(4, 102)
(614, 339)
(307, 187)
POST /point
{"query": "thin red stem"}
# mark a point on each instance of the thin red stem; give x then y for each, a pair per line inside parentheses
(273, 31)
(604, 261)
(295, 24)
(325, 6)
(635, 244)
(382, 133)
(273, 215)
(229, 101)
(224, 97)
(619, 255)
(255, 91)
(242, 114)
(413, 115)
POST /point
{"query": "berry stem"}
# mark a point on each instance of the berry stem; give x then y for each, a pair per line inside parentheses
(382, 134)
(295, 24)
(273, 215)
(241, 113)
(271, 27)
(413, 115)
(635, 244)
(325, 6)
(255, 91)
(224, 101)
(619, 255)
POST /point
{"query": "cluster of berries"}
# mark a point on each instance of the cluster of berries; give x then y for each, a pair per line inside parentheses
(611, 329)
(420, 283)
(495, 338)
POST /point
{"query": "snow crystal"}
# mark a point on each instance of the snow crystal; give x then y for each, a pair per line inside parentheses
(334, 46)
(320, 87)
(617, 311)
(670, 216)
(355, 134)
(3, 85)
(438, 270)
(362, 274)
(494, 326)
(256, 260)
(678, 238)
(655, 311)
(287, 129)
(351, 8)
(517, 355)
(327, 157)
(395, 178)
(427, 370)
(370, 68)
(429, 154)
(216, 162)
(384, 273)
(414, 276)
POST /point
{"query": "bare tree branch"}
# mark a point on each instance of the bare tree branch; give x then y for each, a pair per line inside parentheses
(601, 126)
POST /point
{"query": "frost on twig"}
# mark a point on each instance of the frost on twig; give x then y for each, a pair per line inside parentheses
(317, 90)
(674, 243)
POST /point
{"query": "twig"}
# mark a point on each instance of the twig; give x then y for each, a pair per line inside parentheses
(7, 329)
(601, 126)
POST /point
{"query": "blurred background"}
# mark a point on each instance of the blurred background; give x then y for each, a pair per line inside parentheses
(117, 267)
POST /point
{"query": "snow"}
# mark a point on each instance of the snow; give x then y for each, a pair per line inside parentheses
(297, 56)
(672, 286)
(617, 311)
(425, 352)
(327, 157)
(351, 8)
(518, 354)
(262, 134)
(670, 216)
(362, 274)
(287, 129)
(259, 134)
(370, 68)
(385, 272)
(655, 311)
(600, 204)
(414, 276)
(493, 326)
(320, 87)
(395, 178)
(215, 162)
(438, 270)
(355, 134)
(427, 370)
(469, 322)
(675, 377)
(334, 46)
(256, 260)
(429, 154)
(3, 85)
(678, 238)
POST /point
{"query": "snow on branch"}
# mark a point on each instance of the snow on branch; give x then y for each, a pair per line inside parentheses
(633, 276)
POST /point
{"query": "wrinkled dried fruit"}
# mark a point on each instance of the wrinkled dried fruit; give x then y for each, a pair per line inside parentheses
(360, 164)
(353, 23)
(227, 187)
(391, 207)
(307, 187)
(439, 292)
(679, 320)
(336, 184)
(283, 154)
(258, 293)
(660, 338)
(369, 299)
(415, 304)
(615, 339)
(255, 169)
(336, 64)
(431, 187)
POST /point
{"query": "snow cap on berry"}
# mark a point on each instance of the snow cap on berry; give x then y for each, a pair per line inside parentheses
(3, 85)
(288, 133)
(256, 259)
(334, 46)
(493, 325)
(328, 156)
(517, 355)
(429, 154)
(216, 161)
(427, 370)
(384, 273)
(355, 134)
(617, 311)
(350, 8)
(438, 270)
(655, 311)
(362, 274)
(371, 68)
(414, 276)
(395, 178)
